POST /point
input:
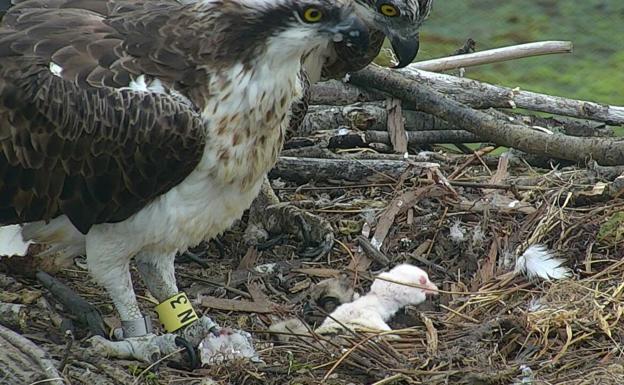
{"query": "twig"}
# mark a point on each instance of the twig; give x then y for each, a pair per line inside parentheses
(372, 252)
(494, 56)
(604, 151)
(306, 169)
(75, 304)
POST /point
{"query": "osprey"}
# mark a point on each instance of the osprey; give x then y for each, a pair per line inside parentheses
(136, 129)
(400, 20)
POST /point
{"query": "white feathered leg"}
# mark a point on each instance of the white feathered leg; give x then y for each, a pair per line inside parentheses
(158, 273)
(114, 275)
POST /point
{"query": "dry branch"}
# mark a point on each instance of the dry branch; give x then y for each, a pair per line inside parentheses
(604, 151)
(494, 56)
(483, 95)
(374, 116)
(475, 94)
(22, 362)
(414, 138)
(303, 170)
(75, 304)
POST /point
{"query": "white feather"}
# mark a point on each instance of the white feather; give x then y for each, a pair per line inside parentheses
(11, 241)
(538, 261)
(56, 69)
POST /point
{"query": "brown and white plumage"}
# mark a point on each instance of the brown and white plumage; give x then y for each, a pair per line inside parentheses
(138, 129)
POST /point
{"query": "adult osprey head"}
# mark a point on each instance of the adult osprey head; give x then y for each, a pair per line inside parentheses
(399, 20)
(139, 129)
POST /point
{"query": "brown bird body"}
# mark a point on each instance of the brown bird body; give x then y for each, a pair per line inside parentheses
(139, 129)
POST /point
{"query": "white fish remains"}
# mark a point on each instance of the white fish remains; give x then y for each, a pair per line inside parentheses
(538, 261)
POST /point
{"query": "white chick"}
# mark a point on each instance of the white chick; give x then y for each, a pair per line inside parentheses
(371, 311)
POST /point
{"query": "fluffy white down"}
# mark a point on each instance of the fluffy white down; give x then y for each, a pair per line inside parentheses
(371, 311)
(11, 242)
(538, 261)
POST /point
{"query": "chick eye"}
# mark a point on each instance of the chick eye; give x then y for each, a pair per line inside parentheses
(312, 15)
(388, 10)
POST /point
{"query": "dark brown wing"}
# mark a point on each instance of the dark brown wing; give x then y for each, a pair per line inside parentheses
(74, 145)
(102, 43)
(346, 60)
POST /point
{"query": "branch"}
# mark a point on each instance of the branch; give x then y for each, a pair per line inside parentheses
(493, 56)
(604, 151)
(475, 94)
(483, 95)
(373, 116)
(303, 170)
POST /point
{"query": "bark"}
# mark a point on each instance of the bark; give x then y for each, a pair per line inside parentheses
(496, 55)
(604, 151)
(22, 362)
(475, 94)
(336, 92)
(354, 139)
(374, 116)
(365, 116)
(483, 95)
(303, 170)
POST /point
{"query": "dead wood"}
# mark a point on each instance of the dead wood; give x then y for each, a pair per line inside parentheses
(493, 55)
(373, 116)
(365, 116)
(22, 362)
(13, 315)
(483, 95)
(336, 92)
(604, 151)
(303, 170)
(82, 310)
(260, 307)
(476, 94)
(414, 138)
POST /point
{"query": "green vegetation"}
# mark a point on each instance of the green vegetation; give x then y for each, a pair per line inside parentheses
(595, 71)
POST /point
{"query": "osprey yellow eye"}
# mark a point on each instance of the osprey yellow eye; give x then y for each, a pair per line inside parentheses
(388, 10)
(312, 15)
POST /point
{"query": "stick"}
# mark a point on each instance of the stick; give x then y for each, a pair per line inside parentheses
(23, 362)
(414, 138)
(303, 170)
(604, 151)
(475, 94)
(494, 56)
(75, 304)
(483, 95)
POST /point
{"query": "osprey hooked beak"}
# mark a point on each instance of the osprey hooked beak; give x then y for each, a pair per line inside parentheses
(405, 47)
(353, 31)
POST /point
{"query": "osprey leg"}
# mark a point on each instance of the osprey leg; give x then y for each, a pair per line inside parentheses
(158, 273)
(114, 276)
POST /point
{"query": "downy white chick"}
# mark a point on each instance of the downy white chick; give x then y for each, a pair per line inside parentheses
(371, 311)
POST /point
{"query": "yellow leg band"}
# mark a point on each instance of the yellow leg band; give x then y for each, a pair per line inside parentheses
(176, 312)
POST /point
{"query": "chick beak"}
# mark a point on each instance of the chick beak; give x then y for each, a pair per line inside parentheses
(405, 48)
(431, 288)
(352, 31)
